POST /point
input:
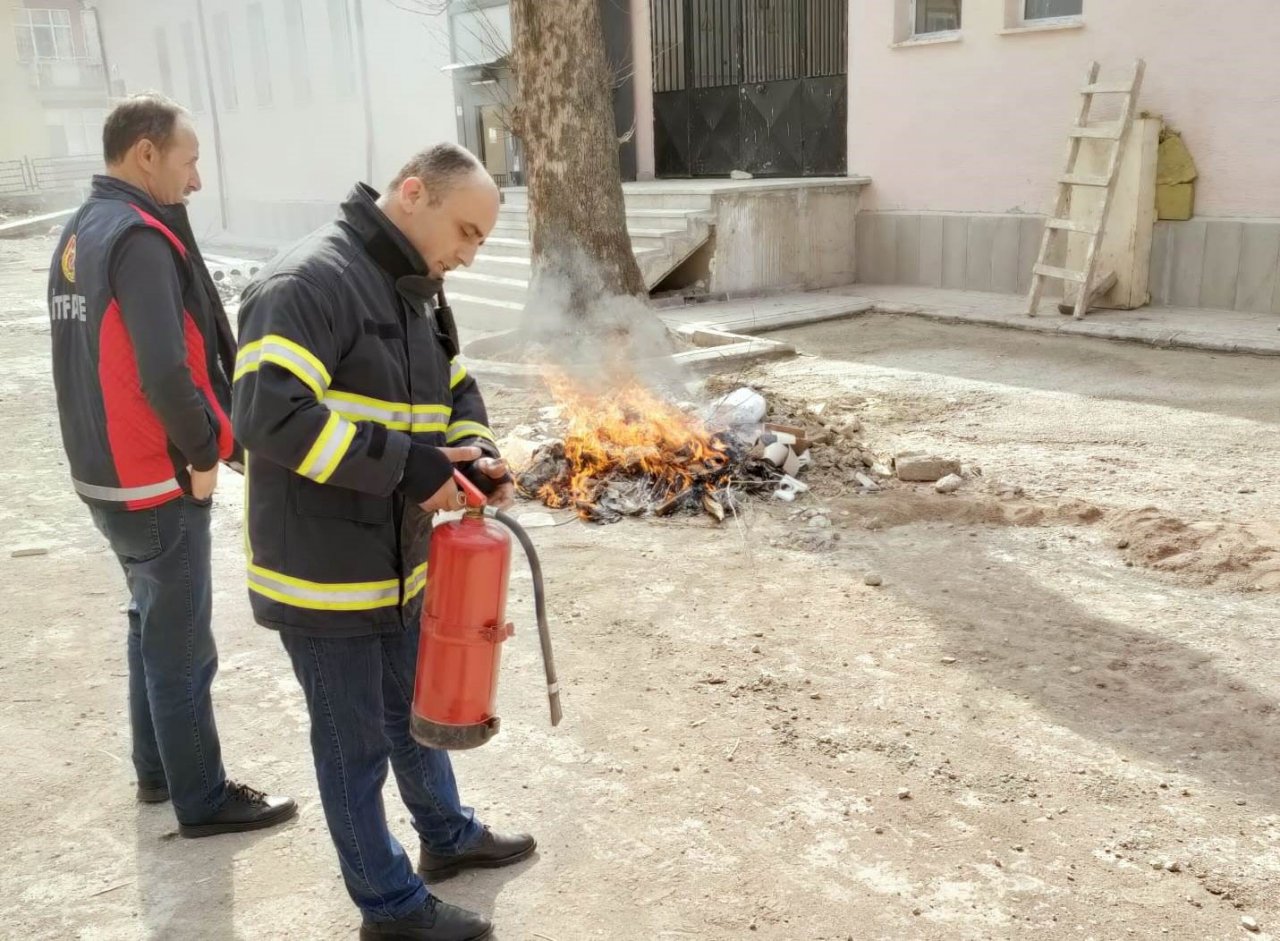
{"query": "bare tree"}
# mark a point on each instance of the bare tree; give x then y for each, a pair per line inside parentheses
(564, 118)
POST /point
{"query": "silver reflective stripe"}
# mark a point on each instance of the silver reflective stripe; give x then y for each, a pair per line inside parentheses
(124, 494)
(457, 372)
(364, 411)
(319, 465)
(287, 354)
(325, 595)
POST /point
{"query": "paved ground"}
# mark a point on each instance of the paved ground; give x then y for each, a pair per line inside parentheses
(743, 713)
(1225, 331)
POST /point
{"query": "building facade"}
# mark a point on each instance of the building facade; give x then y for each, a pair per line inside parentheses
(53, 96)
(294, 100)
(959, 111)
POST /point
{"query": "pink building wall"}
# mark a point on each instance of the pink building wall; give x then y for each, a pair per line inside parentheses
(979, 125)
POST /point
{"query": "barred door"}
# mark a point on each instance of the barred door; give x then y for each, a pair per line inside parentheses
(755, 85)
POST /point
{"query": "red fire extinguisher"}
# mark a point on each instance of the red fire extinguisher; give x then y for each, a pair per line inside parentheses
(464, 626)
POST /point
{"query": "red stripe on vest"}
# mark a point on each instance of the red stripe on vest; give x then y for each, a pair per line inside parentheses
(199, 367)
(137, 439)
(162, 228)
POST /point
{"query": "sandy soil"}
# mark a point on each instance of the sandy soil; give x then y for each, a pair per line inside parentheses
(1003, 740)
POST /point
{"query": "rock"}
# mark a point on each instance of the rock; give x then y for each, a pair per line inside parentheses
(873, 580)
(948, 660)
(949, 484)
(1173, 866)
(535, 520)
(1075, 671)
(29, 552)
(865, 482)
(904, 794)
(742, 406)
(820, 522)
(740, 175)
(924, 468)
(1122, 544)
(1249, 923)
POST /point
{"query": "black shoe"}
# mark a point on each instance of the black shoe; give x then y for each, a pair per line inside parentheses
(492, 852)
(152, 793)
(244, 809)
(435, 921)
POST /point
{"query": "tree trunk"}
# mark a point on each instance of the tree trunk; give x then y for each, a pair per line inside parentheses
(581, 250)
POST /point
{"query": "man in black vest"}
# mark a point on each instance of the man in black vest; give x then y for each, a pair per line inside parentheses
(142, 356)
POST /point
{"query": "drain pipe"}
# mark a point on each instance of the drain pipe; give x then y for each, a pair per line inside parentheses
(213, 114)
(367, 93)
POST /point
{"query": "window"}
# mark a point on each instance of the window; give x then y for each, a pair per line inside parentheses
(296, 29)
(195, 87)
(258, 55)
(92, 42)
(1052, 9)
(162, 56)
(344, 66)
(936, 16)
(226, 63)
(75, 132)
(44, 34)
(481, 36)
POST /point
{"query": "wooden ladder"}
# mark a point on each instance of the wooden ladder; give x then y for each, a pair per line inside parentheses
(1059, 221)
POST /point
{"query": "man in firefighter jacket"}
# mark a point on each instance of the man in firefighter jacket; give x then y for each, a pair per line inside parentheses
(353, 410)
(141, 359)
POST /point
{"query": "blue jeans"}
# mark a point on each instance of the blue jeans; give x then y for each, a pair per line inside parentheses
(359, 693)
(165, 552)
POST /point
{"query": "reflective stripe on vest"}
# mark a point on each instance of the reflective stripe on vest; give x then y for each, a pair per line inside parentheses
(416, 581)
(126, 494)
(468, 429)
(286, 354)
(457, 372)
(323, 596)
(398, 416)
(330, 447)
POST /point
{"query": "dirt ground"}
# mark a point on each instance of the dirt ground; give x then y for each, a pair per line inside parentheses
(1025, 731)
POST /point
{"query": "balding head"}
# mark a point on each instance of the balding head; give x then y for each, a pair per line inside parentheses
(445, 203)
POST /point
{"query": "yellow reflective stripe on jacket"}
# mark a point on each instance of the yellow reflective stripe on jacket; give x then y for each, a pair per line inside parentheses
(286, 354)
(416, 581)
(329, 449)
(323, 596)
(467, 429)
(457, 372)
(398, 416)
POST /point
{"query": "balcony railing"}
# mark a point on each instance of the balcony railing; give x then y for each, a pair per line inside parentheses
(72, 75)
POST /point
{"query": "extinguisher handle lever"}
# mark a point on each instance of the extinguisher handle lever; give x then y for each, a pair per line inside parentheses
(474, 498)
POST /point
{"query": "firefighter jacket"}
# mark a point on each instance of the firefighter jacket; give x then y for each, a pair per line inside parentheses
(345, 361)
(142, 351)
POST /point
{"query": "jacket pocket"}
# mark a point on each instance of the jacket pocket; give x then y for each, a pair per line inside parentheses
(340, 503)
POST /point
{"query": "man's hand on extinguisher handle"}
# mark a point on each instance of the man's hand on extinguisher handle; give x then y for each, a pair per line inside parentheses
(448, 496)
(500, 489)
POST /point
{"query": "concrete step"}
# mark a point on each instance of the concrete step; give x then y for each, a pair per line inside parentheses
(489, 286)
(504, 266)
(483, 313)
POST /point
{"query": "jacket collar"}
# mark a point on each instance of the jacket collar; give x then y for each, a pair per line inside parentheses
(110, 187)
(384, 242)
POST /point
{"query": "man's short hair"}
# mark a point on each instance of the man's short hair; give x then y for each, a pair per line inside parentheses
(148, 116)
(439, 167)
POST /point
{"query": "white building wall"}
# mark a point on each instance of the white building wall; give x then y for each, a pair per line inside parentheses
(287, 162)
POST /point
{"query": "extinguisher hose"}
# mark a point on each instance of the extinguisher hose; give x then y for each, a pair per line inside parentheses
(540, 606)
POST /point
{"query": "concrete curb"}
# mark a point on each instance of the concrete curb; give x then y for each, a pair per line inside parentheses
(1156, 336)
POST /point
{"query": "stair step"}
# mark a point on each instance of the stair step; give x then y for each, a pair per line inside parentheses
(490, 286)
(1106, 132)
(1063, 274)
(1066, 225)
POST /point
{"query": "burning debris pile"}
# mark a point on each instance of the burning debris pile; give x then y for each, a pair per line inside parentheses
(630, 452)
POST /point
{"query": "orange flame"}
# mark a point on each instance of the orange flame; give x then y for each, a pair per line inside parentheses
(631, 432)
